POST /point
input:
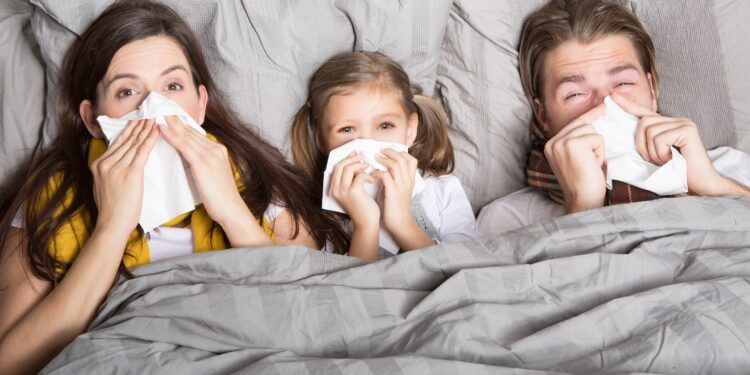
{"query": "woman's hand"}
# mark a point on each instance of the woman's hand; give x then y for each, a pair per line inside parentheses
(213, 176)
(118, 176)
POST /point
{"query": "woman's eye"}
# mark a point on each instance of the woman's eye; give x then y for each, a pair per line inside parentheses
(385, 125)
(124, 93)
(174, 87)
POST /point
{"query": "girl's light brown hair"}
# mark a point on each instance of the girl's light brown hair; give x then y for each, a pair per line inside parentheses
(560, 21)
(346, 72)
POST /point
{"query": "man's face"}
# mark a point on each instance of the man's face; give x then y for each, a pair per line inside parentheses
(578, 76)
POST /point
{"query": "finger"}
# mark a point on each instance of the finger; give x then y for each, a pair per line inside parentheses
(659, 140)
(360, 178)
(642, 140)
(633, 108)
(338, 170)
(140, 136)
(387, 179)
(117, 151)
(145, 148)
(348, 174)
(584, 119)
(125, 133)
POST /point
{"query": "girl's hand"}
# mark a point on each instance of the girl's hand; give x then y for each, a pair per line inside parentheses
(209, 166)
(398, 185)
(118, 176)
(347, 188)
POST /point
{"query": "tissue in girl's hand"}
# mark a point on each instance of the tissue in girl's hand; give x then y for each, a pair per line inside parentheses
(369, 149)
(168, 190)
(625, 164)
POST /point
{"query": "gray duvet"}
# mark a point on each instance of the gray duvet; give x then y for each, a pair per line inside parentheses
(658, 287)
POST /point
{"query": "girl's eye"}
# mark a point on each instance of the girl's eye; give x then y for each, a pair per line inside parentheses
(124, 93)
(385, 125)
(347, 129)
(174, 87)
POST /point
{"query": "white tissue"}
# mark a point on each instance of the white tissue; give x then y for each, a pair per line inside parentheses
(625, 164)
(168, 190)
(369, 149)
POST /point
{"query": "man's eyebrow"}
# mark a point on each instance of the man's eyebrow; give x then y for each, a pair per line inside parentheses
(621, 68)
(569, 78)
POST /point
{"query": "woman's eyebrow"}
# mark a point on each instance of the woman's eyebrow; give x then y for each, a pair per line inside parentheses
(134, 76)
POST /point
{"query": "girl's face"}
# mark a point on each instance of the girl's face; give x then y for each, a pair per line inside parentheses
(367, 112)
(138, 68)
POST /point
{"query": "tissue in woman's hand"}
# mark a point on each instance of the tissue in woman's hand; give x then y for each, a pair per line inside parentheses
(168, 190)
(625, 164)
(369, 149)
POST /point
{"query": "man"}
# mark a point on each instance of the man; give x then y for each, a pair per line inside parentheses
(573, 54)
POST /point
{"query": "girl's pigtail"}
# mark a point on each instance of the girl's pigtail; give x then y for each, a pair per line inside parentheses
(432, 147)
(304, 149)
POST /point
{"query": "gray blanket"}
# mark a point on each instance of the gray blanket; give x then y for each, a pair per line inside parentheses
(658, 287)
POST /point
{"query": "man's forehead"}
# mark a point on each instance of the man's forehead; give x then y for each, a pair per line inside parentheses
(603, 54)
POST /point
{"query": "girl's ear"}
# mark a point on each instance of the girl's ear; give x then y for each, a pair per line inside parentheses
(412, 127)
(88, 115)
(203, 101)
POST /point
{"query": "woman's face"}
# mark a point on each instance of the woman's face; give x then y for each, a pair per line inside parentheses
(153, 64)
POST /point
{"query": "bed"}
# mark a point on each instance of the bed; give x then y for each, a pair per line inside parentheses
(654, 287)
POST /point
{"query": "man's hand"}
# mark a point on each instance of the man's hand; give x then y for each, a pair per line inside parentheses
(655, 136)
(576, 155)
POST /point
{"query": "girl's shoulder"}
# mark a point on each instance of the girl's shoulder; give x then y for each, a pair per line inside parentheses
(444, 182)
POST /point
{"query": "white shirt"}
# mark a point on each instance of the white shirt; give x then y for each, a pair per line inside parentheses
(529, 205)
(170, 242)
(446, 205)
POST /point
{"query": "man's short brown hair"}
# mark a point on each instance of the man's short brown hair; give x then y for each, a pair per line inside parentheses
(582, 20)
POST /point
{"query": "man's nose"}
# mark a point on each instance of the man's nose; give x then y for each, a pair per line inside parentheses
(599, 95)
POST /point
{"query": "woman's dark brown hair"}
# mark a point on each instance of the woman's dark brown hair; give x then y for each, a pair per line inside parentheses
(264, 171)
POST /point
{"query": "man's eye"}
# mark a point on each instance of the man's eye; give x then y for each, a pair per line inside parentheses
(385, 125)
(573, 95)
(124, 93)
(174, 87)
(623, 84)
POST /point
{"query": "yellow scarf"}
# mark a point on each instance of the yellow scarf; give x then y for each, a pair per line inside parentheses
(72, 234)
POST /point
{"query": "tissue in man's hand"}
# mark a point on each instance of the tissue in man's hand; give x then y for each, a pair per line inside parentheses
(168, 190)
(625, 164)
(368, 148)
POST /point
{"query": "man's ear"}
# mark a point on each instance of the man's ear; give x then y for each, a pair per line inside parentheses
(541, 115)
(203, 102)
(412, 129)
(88, 115)
(654, 93)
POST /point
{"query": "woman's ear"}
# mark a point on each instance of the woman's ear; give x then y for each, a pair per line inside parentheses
(412, 128)
(88, 115)
(203, 102)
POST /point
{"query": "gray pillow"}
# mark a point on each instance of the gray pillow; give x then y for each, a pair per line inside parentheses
(263, 52)
(702, 52)
(21, 86)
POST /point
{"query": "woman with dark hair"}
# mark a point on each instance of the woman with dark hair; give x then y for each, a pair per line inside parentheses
(69, 223)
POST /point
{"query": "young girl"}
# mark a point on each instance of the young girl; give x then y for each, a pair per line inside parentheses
(368, 95)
